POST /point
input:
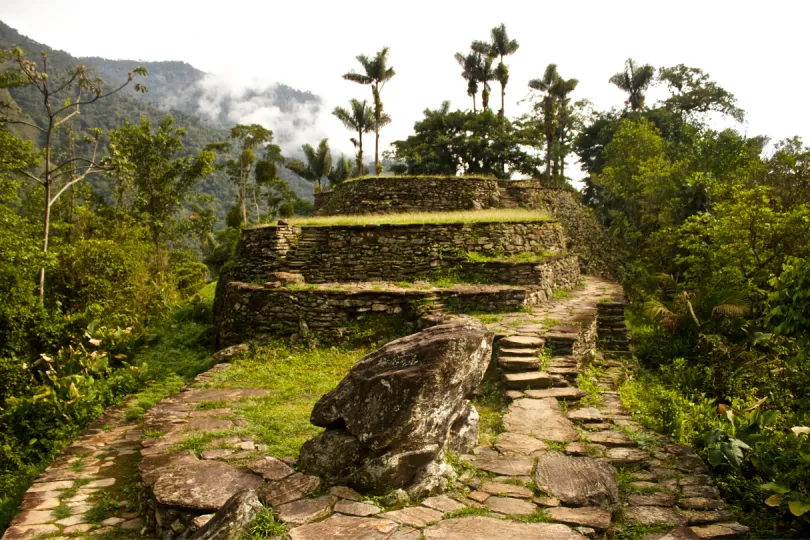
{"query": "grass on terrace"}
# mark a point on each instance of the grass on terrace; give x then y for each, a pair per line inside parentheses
(412, 218)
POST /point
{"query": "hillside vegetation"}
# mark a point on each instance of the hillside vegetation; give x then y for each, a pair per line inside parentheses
(115, 221)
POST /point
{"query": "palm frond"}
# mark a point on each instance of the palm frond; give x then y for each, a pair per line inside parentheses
(359, 78)
(656, 311)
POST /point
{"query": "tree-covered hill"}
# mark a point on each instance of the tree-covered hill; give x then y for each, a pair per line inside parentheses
(174, 88)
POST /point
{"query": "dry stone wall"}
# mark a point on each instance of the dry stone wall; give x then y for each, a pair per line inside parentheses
(584, 235)
(381, 252)
(397, 194)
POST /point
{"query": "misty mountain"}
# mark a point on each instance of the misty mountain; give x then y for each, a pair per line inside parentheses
(204, 104)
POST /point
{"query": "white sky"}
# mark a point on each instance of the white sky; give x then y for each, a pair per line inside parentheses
(756, 50)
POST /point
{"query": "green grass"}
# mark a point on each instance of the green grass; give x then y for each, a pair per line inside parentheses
(538, 516)
(265, 525)
(469, 511)
(297, 378)
(61, 512)
(105, 506)
(587, 381)
(414, 218)
(524, 257)
(74, 489)
(491, 406)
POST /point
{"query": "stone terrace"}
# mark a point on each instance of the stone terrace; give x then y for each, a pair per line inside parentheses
(551, 472)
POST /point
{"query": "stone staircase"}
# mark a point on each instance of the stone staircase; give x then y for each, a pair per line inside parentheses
(612, 328)
(303, 251)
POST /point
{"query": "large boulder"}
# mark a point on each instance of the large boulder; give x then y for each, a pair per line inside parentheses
(391, 418)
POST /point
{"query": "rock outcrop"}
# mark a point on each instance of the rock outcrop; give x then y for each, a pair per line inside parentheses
(389, 421)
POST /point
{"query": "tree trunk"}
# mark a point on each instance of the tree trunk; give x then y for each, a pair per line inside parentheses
(377, 116)
(242, 197)
(45, 235)
(474, 109)
(503, 94)
(359, 152)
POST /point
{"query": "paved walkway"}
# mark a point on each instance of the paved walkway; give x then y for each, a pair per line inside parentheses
(551, 472)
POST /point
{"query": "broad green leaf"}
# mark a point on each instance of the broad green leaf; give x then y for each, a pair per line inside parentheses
(777, 488)
(774, 500)
(799, 507)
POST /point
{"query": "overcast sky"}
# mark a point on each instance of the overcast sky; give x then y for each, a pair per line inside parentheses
(756, 50)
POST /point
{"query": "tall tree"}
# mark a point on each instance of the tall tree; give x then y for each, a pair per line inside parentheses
(62, 96)
(470, 66)
(377, 73)
(249, 138)
(161, 175)
(360, 118)
(634, 80)
(485, 74)
(319, 162)
(499, 46)
(693, 92)
(340, 172)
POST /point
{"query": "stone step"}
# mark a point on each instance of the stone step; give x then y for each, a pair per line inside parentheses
(527, 379)
(558, 381)
(521, 342)
(518, 363)
(566, 394)
(566, 372)
(518, 352)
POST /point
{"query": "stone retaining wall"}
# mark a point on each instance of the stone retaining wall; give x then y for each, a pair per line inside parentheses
(585, 237)
(381, 252)
(397, 194)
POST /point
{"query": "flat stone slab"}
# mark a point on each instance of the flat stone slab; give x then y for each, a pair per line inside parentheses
(721, 530)
(702, 517)
(518, 444)
(521, 342)
(566, 393)
(505, 465)
(217, 453)
(289, 489)
(518, 363)
(578, 481)
(626, 456)
(527, 379)
(345, 528)
(203, 486)
(517, 352)
(443, 503)
(345, 493)
(271, 468)
(415, 516)
(652, 515)
(506, 490)
(586, 415)
(219, 394)
(541, 418)
(652, 499)
(598, 518)
(209, 424)
(611, 438)
(489, 528)
(353, 508)
(510, 506)
(305, 511)
(29, 532)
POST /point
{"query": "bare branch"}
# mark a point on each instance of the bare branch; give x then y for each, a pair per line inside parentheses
(32, 177)
(22, 122)
(92, 167)
(96, 98)
(66, 118)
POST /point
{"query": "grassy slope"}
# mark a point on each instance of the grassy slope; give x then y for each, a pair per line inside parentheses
(472, 216)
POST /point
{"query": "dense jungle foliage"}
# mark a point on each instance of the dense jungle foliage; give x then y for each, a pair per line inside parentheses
(114, 221)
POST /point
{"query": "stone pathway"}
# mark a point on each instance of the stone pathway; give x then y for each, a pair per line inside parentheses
(87, 490)
(569, 464)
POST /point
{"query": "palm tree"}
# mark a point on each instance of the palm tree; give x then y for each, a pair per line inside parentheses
(340, 172)
(360, 118)
(499, 47)
(560, 91)
(485, 74)
(377, 73)
(634, 80)
(319, 162)
(469, 64)
(544, 84)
